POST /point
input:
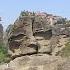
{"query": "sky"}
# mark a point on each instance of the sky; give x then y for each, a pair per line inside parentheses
(11, 9)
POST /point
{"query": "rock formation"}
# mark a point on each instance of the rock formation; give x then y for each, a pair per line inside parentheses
(34, 62)
(1, 33)
(35, 40)
(35, 32)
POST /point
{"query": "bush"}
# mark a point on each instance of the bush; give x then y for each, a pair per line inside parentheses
(3, 54)
(66, 51)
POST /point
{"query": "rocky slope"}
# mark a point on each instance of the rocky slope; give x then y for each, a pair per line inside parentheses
(35, 41)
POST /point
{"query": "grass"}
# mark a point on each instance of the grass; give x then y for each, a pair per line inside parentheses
(3, 54)
(66, 51)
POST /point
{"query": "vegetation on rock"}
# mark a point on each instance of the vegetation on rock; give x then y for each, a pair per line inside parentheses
(3, 54)
(66, 51)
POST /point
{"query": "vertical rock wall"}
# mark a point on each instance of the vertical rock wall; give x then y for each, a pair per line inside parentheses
(1, 33)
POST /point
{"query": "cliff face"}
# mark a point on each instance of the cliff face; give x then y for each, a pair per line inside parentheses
(1, 33)
(33, 39)
(36, 32)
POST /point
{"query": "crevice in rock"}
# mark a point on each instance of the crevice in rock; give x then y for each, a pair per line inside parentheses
(29, 54)
(32, 23)
(20, 55)
(33, 46)
(48, 53)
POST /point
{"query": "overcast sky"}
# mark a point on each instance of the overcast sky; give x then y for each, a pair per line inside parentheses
(10, 9)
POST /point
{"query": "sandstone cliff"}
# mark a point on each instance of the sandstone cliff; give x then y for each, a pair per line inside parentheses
(37, 33)
(35, 41)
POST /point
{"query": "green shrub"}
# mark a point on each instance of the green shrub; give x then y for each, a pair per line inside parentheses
(66, 51)
(3, 54)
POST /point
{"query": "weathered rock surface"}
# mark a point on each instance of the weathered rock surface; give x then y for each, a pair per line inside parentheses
(34, 62)
(32, 32)
(1, 33)
(65, 65)
(35, 40)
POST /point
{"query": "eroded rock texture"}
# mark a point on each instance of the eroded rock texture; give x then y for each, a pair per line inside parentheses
(34, 62)
(35, 40)
(37, 33)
